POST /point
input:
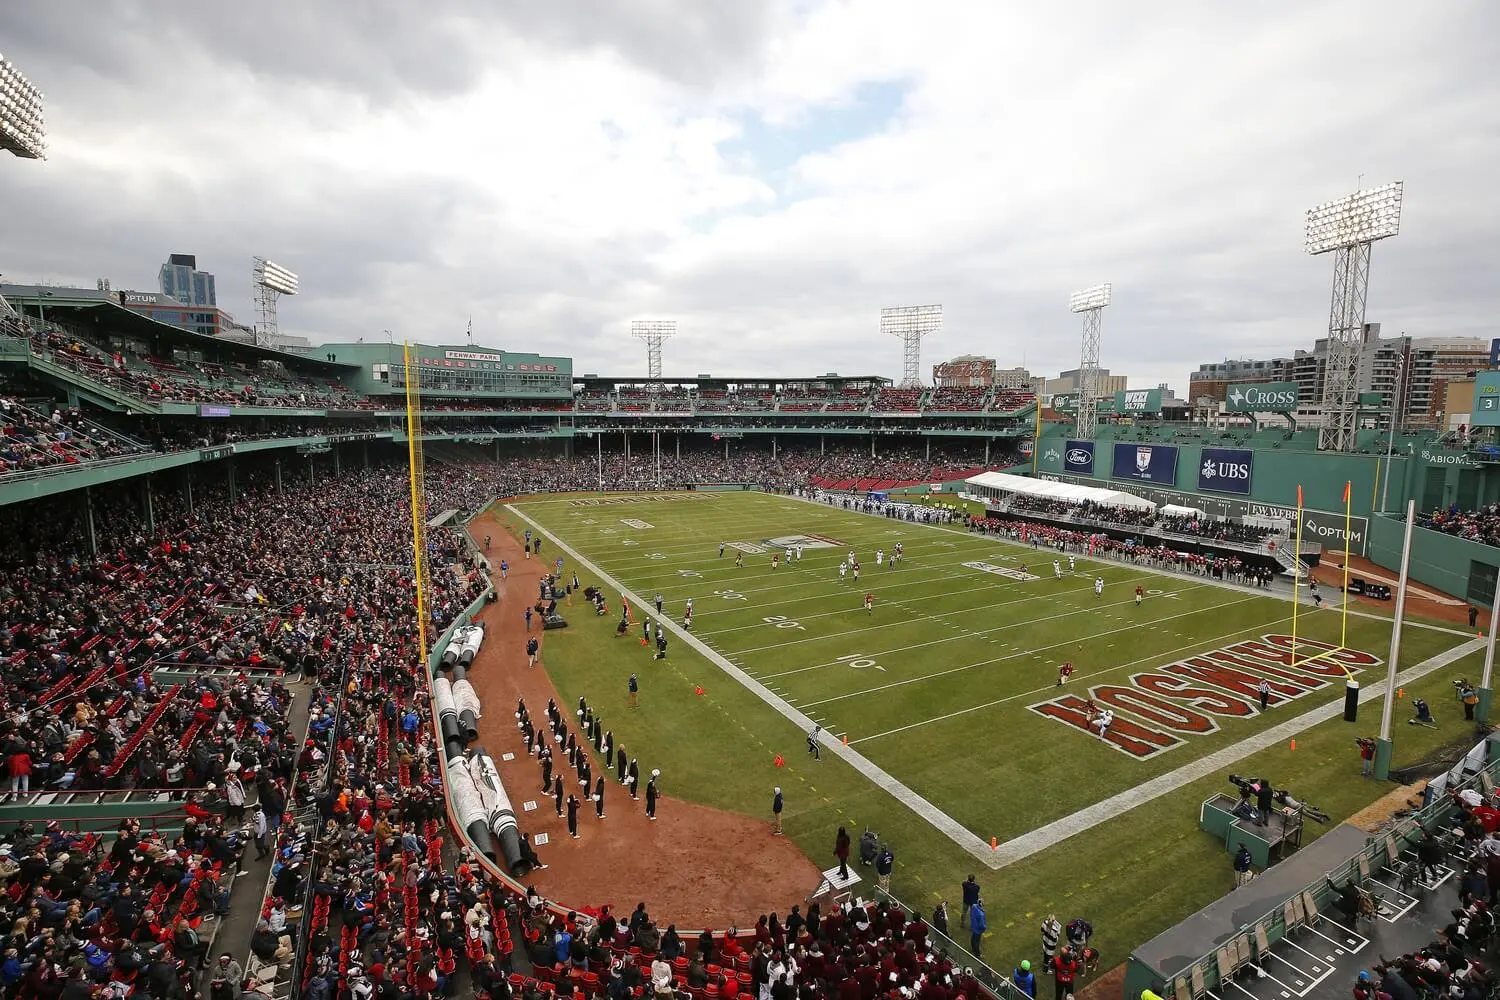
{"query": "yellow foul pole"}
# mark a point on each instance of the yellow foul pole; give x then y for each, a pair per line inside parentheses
(1036, 437)
(418, 495)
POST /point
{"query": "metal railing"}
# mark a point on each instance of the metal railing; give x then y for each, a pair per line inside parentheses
(997, 983)
(1260, 548)
(1373, 854)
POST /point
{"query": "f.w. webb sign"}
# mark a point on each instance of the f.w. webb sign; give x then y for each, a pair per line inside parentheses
(1160, 709)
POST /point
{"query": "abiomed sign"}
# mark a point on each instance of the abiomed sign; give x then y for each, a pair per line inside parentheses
(1267, 397)
(1159, 710)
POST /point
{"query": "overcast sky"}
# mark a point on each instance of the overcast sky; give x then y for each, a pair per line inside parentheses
(770, 173)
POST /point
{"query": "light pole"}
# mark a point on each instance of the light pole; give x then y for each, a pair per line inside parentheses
(1390, 439)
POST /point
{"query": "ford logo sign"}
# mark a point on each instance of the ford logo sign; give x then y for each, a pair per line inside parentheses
(1079, 456)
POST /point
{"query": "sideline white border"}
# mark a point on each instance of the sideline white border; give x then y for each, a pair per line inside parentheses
(1024, 846)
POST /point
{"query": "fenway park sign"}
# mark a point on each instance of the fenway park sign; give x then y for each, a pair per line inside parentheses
(1157, 710)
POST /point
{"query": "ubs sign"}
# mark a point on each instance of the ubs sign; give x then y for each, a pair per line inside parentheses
(1225, 470)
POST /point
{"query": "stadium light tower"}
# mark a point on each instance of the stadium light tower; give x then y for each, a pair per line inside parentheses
(911, 324)
(1090, 302)
(271, 282)
(22, 129)
(653, 332)
(1348, 228)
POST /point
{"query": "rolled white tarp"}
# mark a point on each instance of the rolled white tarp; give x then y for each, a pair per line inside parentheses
(467, 805)
(501, 817)
(472, 641)
(466, 700)
(451, 651)
(447, 716)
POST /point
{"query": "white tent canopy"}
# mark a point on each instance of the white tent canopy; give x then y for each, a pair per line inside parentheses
(1000, 482)
(1178, 510)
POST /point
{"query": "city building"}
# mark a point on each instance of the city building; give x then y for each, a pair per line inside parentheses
(1411, 374)
(180, 279)
(1068, 381)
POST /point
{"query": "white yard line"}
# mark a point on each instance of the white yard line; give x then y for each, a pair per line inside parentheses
(1171, 574)
(1028, 844)
(986, 607)
(1156, 658)
(938, 819)
(1030, 651)
(881, 597)
(1043, 837)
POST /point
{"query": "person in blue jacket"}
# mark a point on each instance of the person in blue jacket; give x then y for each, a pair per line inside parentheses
(977, 926)
(1025, 979)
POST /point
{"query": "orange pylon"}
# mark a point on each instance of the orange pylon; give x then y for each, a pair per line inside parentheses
(994, 843)
(1294, 744)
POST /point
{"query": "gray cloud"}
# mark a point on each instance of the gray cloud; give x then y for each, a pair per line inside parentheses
(225, 131)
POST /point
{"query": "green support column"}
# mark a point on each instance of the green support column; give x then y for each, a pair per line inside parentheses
(1482, 712)
(1382, 760)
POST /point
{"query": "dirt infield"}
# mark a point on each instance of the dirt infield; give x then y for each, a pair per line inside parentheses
(695, 866)
(1423, 602)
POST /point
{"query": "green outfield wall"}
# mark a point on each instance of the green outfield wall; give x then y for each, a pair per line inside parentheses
(1455, 566)
(1435, 477)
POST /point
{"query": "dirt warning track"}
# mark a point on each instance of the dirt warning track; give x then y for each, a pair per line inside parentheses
(694, 866)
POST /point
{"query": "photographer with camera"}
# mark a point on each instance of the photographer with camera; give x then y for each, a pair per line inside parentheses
(1264, 797)
(1366, 754)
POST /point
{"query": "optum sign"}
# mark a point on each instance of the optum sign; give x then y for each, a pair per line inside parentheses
(1267, 397)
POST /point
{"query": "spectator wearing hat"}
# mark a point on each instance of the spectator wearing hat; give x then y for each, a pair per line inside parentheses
(1065, 972)
(1024, 979)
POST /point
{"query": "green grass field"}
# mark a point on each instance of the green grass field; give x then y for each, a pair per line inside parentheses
(937, 687)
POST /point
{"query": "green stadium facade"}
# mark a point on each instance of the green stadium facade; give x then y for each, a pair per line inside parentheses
(82, 348)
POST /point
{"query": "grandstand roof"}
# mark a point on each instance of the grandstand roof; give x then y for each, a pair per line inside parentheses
(101, 307)
(1067, 492)
(730, 379)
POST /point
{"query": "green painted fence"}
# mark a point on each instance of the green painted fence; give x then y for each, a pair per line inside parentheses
(1443, 562)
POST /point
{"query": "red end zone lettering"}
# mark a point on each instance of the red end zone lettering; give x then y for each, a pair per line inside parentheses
(1180, 698)
(1238, 682)
(1354, 658)
(1257, 664)
(1155, 710)
(1203, 699)
(1140, 742)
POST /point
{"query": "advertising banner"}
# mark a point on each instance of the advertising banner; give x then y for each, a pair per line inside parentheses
(1138, 401)
(1326, 527)
(1486, 400)
(1065, 402)
(1146, 463)
(1078, 458)
(1265, 397)
(1226, 470)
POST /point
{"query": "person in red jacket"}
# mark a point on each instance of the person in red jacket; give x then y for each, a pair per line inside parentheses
(1065, 971)
(19, 764)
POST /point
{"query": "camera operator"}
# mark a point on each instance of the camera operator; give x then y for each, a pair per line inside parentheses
(1366, 754)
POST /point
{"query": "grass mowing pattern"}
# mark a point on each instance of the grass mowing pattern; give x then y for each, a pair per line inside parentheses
(958, 655)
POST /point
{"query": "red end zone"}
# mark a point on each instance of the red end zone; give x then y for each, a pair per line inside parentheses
(1156, 710)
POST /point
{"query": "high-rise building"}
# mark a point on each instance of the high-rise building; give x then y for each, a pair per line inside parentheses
(180, 279)
(1411, 373)
(1069, 381)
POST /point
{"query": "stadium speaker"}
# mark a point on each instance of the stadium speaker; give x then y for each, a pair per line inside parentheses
(1351, 701)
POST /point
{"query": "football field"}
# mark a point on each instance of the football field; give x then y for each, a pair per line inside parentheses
(946, 687)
